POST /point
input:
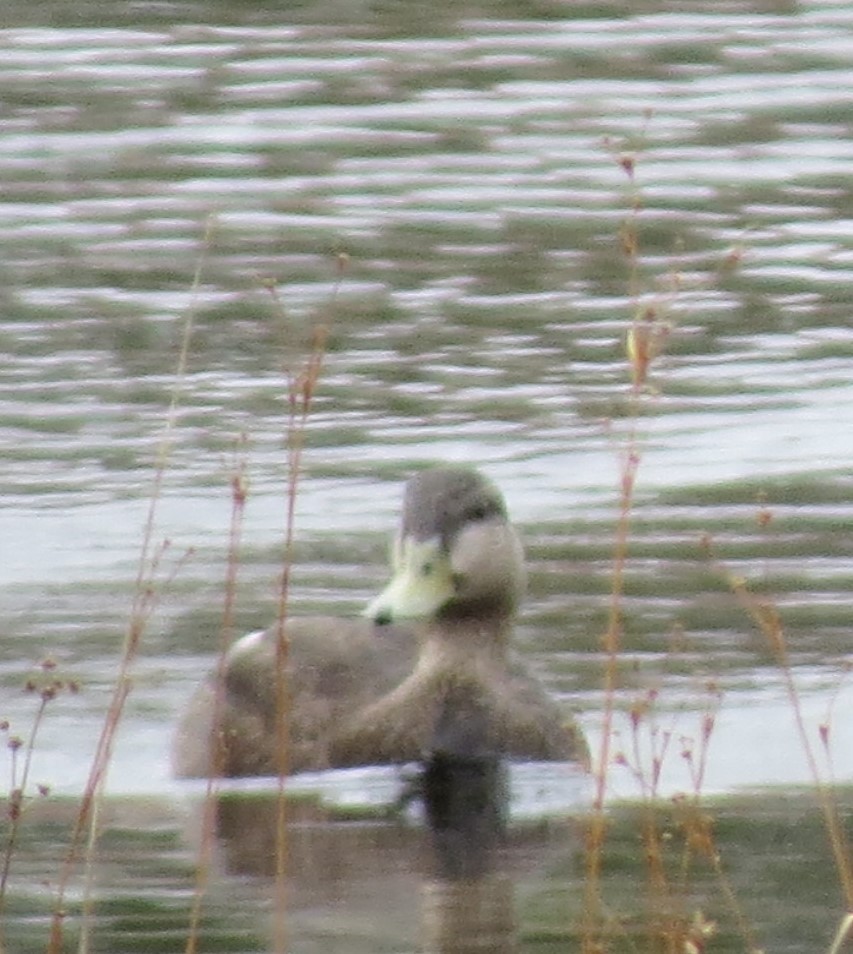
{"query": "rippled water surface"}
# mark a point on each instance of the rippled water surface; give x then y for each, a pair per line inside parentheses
(454, 196)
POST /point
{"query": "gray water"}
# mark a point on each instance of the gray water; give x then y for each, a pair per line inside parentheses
(471, 165)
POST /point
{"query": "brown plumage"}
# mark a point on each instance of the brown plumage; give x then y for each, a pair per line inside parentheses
(429, 670)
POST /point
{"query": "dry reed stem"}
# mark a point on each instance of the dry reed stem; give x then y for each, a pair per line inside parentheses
(143, 602)
(698, 826)
(646, 339)
(592, 941)
(239, 494)
(766, 617)
(47, 686)
(301, 389)
(301, 386)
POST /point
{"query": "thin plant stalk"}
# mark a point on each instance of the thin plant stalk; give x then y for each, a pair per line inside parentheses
(612, 638)
(645, 341)
(239, 494)
(18, 789)
(766, 617)
(301, 392)
(143, 601)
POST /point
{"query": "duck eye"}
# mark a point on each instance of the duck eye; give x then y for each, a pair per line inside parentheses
(478, 512)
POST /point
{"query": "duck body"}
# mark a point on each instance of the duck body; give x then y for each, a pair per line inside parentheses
(427, 671)
(333, 667)
(462, 699)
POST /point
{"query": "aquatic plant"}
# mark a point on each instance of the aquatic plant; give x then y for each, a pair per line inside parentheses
(301, 369)
(44, 686)
(677, 833)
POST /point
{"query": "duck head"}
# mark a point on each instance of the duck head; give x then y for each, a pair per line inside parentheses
(456, 556)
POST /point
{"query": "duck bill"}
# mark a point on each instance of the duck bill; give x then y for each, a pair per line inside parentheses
(422, 583)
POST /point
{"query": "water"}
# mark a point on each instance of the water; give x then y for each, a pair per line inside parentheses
(472, 168)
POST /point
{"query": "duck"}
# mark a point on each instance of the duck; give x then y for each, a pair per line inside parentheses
(428, 670)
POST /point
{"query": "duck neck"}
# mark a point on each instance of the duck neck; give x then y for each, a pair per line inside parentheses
(463, 641)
